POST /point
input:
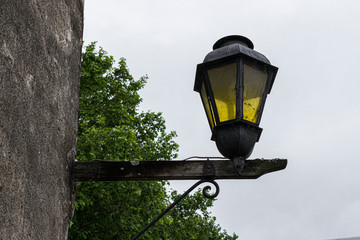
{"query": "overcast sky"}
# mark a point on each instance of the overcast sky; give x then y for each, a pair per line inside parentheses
(311, 116)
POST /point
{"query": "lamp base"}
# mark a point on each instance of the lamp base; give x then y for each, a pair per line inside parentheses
(236, 139)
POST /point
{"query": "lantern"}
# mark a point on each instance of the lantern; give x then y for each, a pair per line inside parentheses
(233, 82)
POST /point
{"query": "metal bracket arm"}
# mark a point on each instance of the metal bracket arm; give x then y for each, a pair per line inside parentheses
(205, 193)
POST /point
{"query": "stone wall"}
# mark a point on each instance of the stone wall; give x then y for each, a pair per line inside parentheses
(40, 51)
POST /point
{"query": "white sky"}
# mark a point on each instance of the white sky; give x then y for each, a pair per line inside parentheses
(311, 116)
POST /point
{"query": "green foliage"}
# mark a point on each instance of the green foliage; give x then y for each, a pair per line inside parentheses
(111, 128)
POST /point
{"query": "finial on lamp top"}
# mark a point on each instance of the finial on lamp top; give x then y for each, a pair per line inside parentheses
(228, 40)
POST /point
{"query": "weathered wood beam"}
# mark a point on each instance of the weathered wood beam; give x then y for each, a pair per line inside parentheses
(99, 170)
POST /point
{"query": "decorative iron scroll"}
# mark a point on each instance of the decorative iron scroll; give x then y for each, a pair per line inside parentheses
(204, 191)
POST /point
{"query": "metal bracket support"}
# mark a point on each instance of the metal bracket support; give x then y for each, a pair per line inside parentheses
(239, 164)
(99, 170)
(209, 169)
(205, 193)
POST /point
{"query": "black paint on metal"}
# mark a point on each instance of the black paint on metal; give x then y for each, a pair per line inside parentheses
(236, 137)
(239, 164)
(228, 40)
(205, 193)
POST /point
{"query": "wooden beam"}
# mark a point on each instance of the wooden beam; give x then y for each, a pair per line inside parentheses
(99, 170)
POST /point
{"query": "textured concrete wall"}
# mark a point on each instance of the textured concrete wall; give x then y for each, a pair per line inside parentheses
(40, 50)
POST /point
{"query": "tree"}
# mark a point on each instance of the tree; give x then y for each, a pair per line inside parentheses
(112, 128)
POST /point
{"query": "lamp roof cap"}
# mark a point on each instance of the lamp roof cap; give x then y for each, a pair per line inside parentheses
(232, 45)
(232, 39)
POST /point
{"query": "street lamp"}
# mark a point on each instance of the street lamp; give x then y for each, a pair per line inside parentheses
(233, 82)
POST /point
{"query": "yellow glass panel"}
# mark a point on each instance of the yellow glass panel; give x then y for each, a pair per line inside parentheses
(223, 84)
(208, 107)
(254, 87)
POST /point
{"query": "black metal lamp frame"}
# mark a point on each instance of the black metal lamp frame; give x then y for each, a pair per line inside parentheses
(235, 138)
(240, 59)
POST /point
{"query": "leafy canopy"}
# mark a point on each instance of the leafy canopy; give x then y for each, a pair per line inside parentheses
(112, 128)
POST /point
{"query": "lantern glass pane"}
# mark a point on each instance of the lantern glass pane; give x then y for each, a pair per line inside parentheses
(223, 84)
(254, 87)
(207, 104)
